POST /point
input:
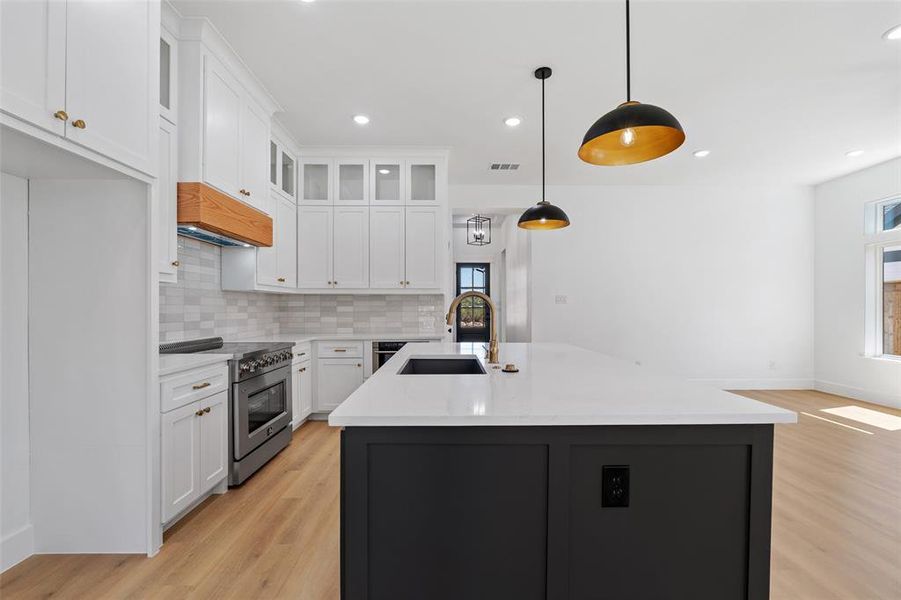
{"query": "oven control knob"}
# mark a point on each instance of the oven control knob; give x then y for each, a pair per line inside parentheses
(245, 367)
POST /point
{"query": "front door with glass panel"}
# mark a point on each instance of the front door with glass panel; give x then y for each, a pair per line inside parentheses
(473, 317)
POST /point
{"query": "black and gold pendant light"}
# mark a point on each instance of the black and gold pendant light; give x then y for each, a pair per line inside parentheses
(632, 132)
(543, 215)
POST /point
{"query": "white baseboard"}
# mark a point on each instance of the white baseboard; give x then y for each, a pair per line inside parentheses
(758, 384)
(16, 547)
(865, 395)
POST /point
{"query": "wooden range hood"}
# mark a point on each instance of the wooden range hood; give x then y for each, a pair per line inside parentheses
(209, 210)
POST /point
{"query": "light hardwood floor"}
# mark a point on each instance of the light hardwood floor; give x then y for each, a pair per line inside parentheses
(836, 525)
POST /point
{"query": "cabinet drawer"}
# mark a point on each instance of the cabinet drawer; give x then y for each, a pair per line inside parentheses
(302, 352)
(339, 349)
(189, 386)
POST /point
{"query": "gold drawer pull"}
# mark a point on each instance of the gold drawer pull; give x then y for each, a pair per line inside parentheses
(79, 124)
(200, 386)
(199, 413)
(301, 354)
(340, 350)
(281, 280)
(61, 115)
(207, 410)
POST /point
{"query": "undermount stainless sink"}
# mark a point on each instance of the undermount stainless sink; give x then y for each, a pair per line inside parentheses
(442, 365)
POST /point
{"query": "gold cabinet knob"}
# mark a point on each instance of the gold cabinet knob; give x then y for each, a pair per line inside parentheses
(281, 280)
(406, 283)
(175, 263)
(301, 370)
(401, 282)
(359, 365)
(207, 409)
(61, 115)
(79, 124)
(199, 413)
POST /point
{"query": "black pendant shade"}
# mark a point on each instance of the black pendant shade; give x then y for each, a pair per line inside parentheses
(543, 215)
(632, 132)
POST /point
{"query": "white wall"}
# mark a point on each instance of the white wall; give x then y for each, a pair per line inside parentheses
(88, 331)
(16, 531)
(841, 366)
(708, 282)
(519, 281)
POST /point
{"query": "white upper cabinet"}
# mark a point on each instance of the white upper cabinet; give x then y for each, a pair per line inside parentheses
(112, 55)
(314, 246)
(33, 62)
(387, 179)
(168, 76)
(282, 168)
(316, 181)
(224, 117)
(221, 132)
(267, 258)
(87, 71)
(423, 234)
(165, 196)
(422, 182)
(352, 182)
(386, 247)
(286, 236)
(254, 151)
(351, 247)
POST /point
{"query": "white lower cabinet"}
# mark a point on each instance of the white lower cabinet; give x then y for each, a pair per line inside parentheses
(301, 391)
(194, 452)
(336, 379)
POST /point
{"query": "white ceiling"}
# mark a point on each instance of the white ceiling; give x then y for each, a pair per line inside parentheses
(777, 91)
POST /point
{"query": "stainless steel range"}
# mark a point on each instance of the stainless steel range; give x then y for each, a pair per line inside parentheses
(259, 394)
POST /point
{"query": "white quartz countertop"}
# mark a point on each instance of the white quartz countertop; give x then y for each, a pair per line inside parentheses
(176, 363)
(557, 384)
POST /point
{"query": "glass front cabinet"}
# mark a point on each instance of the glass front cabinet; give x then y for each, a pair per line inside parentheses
(282, 170)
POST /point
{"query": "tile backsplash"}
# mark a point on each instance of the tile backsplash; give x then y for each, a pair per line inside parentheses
(197, 307)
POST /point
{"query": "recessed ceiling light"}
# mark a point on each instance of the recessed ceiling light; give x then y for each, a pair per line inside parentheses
(361, 119)
(893, 34)
(384, 171)
(701, 153)
(853, 153)
(512, 121)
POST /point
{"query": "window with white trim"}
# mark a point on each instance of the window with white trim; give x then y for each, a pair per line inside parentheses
(883, 251)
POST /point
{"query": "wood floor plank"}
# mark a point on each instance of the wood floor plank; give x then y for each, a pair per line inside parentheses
(836, 524)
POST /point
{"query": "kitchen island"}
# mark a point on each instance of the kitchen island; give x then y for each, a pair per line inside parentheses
(580, 476)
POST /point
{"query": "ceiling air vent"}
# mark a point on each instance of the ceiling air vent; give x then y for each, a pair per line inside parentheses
(503, 167)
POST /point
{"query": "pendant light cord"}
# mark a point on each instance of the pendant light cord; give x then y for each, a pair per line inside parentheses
(542, 141)
(628, 57)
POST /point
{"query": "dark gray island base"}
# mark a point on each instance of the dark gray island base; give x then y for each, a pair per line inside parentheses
(466, 513)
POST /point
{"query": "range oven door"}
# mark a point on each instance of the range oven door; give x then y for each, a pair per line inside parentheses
(262, 408)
